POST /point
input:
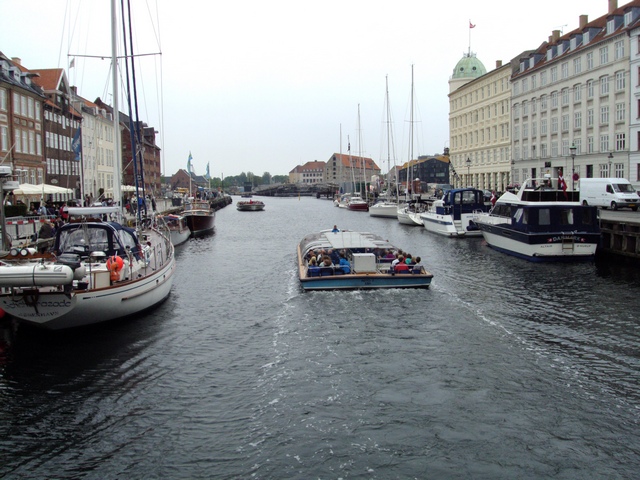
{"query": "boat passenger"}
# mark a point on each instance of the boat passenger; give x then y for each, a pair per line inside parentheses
(326, 261)
(399, 259)
(314, 270)
(344, 264)
(409, 259)
(335, 229)
(335, 257)
(401, 267)
(417, 267)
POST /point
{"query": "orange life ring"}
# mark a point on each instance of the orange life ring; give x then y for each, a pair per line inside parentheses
(114, 265)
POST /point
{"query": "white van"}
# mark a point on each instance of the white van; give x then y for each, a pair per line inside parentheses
(611, 193)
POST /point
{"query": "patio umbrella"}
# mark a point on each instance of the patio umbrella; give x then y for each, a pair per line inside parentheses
(51, 189)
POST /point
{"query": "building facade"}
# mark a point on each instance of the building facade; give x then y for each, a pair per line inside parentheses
(309, 173)
(479, 125)
(22, 126)
(574, 91)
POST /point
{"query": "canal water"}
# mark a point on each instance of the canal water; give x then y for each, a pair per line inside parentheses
(502, 369)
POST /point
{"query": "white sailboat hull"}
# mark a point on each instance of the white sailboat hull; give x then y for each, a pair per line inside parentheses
(57, 310)
(384, 210)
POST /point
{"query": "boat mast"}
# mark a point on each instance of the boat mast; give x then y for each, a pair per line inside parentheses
(361, 158)
(410, 172)
(117, 198)
(389, 142)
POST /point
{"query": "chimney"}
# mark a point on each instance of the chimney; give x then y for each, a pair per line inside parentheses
(555, 35)
(16, 60)
(613, 5)
(498, 63)
(584, 19)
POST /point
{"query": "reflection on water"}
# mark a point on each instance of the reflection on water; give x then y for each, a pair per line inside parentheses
(502, 369)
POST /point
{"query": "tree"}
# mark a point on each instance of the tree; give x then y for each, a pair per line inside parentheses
(266, 178)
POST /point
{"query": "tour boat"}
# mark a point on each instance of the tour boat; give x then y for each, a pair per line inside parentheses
(200, 217)
(542, 222)
(250, 206)
(453, 215)
(97, 271)
(365, 263)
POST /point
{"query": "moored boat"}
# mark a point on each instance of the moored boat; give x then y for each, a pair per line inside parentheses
(250, 206)
(453, 215)
(98, 271)
(358, 204)
(200, 217)
(541, 223)
(178, 228)
(360, 260)
(384, 209)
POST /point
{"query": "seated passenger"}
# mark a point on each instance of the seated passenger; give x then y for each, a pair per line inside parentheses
(417, 267)
(344, 264)
(314, 270)
(326, 261)
(401, 267)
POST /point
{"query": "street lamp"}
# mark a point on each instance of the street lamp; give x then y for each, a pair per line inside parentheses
(468, 170)
(572, 148)
(610, 157)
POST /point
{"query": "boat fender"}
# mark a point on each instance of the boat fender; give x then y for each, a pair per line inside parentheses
(79, 273)
(114, 265)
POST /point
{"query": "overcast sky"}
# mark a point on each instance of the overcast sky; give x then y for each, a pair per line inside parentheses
(265, 86)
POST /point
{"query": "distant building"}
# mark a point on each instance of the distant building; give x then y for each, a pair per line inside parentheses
(181, 179)
(309, 173)
(346, 170)
(426, 169)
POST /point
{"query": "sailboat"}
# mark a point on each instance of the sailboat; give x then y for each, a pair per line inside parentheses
(409, 212)
(386, 207)
(357, 203)
(99, 270)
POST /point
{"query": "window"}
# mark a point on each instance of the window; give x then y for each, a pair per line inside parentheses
(565, 123)
(620, 112)
(590, 117)
(534, 79)
(543, 126)
(565, 70)
(554, 125)
(565, 96)
(543, 78)
(3, 100)
(604, 143)
(589, 144)
(554, 74)
(554, 99)
(620, 81)
(604, 114)
(543, 102)
(621, 142)
(577, 65)
(590, 61)
(16, 103)
(604, 55)
(619, 50)
(577, 93)
(543, 150)
(589, 88)
(525, 85)
(604, 85)
(4, 138)
(577, 120)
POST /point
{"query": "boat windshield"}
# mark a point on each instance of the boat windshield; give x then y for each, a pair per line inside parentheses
(84, 240)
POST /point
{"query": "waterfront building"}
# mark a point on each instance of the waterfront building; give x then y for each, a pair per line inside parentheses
(571, 101)
(426, 169)
(345, 170)
(61, 126)
(98, 148)
(634, 107)
(479, 125)
(309, 173)
(150, 176)
(21, 121)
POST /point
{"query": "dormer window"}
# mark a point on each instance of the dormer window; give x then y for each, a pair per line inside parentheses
(585, 37)
(611, 26)
(628, 18)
